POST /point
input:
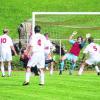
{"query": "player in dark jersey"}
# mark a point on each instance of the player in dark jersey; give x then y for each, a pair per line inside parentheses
(73, 54)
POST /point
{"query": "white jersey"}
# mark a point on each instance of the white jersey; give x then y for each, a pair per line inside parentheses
(5, 43)
(5, 48)
(38, 42)
(93, 49)
(48, 46)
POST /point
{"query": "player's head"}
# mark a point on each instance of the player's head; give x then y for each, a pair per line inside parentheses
(5, 31)
(79, 39)
(24, 51)
(90, 39)
(46, 35)
(37, 29)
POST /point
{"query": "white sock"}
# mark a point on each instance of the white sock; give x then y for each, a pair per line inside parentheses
(81, 70)
(2, 70)
(42, 78)
(28, 74)
(9, 70)
(51, 70)
(97, 69)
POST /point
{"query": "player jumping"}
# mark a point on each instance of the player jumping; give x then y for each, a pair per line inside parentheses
(73, 54)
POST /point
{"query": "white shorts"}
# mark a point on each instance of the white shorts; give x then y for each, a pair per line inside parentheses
(5, 56)
(92, 61)
(37, 59)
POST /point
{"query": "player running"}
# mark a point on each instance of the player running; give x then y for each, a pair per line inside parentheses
(6, 45)
(37, 57)
(73, 54)
(93, 50)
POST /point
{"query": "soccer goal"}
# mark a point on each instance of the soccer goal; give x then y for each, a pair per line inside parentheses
(60, 25)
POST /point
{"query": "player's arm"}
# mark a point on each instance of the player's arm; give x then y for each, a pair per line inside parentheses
(84, 41)
(71, 41)
(85, 52)
(29, 50)
(72, 35)
(87, 36)
(12, 47)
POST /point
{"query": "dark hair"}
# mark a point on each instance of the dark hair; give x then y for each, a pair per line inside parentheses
(90, 39)
(5, 31)
(22, 50)
(37, 29)
(45, 34)
(80, 37)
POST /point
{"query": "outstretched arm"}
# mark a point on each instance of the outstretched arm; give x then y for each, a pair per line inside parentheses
(72, 35)
(84, 41)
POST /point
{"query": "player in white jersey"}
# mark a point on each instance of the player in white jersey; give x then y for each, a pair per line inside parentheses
(48, 54)
(93, 50)
(6, 45)
(37, 56)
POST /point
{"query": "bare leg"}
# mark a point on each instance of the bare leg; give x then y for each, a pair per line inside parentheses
(41, 76)
(28, 74)
(9, 68)
(81, 68)
(51, 68)
(2, 69)
(62, 65)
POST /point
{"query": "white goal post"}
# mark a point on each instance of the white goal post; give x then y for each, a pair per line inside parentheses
(59, 13)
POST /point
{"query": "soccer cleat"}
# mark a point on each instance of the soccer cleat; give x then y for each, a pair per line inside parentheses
(60, 73)
(25, 83)
(41, 84)
(98, 73)
(3, 75)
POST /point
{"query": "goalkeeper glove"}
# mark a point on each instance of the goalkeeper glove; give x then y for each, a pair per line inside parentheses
(74, 33)
(88, 35)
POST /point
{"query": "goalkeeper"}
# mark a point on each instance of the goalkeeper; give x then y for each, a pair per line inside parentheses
(74, 52)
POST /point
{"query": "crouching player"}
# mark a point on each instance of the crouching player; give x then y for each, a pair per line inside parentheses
(37, 57)
(24, 58)
(93, 50)
(73, 54)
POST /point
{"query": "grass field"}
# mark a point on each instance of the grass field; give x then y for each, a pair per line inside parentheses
(65, 87)
(57, 87)
(14, 12)
(61, 26)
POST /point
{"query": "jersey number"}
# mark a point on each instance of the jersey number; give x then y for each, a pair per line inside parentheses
(95, 48)
(39, 42)
(3, 40)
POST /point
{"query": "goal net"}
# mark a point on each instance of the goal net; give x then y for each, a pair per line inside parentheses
(60, 25)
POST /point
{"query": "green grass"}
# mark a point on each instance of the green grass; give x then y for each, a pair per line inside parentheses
(57, 87)
(14, 12)
(61, 26)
